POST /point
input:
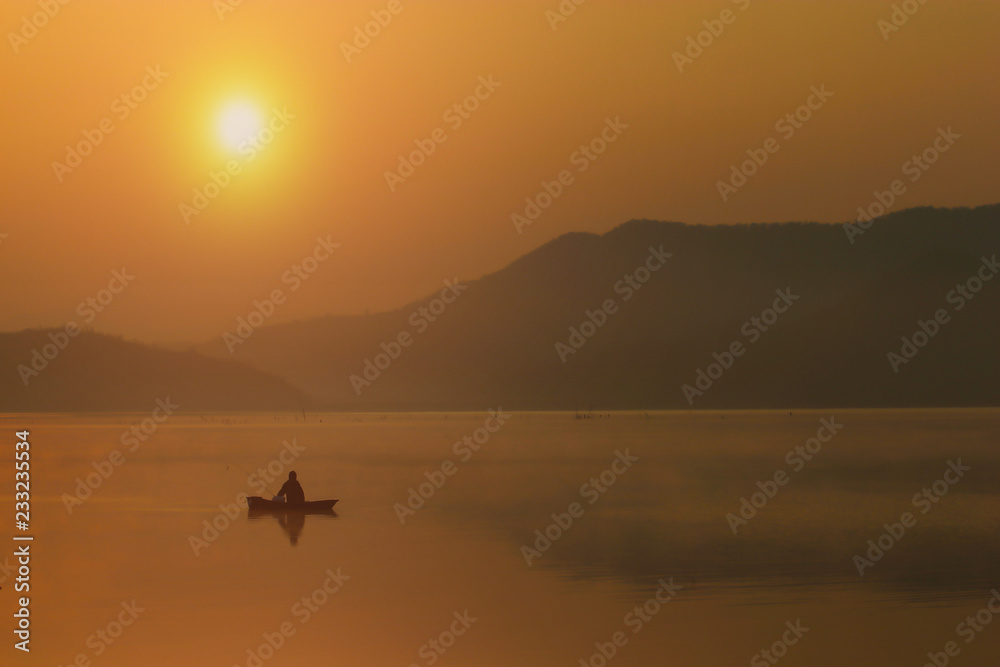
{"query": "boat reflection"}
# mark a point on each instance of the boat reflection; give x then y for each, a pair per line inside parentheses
(291, 522)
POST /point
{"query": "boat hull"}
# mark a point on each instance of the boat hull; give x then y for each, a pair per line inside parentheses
(258, 504)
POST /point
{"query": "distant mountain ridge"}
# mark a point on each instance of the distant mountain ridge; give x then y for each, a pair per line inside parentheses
(789, 315)
(47, 371)
(857, 296)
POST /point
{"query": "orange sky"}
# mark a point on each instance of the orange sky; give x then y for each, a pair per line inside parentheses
(324, 172)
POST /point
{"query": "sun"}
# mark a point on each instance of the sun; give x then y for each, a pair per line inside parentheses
(238, 122)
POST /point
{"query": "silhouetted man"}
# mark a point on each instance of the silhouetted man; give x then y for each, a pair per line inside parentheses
(292, 490)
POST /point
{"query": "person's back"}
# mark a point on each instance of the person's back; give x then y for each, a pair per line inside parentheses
(292, 490)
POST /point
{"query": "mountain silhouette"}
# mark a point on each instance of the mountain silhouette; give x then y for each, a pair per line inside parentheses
(855, 297)
(97, 372)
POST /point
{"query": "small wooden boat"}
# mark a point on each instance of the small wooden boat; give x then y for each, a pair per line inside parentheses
(258, 504)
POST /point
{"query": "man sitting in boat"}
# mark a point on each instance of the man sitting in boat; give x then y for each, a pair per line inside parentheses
(292, 490)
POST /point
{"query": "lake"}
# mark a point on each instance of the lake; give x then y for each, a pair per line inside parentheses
(701, 539)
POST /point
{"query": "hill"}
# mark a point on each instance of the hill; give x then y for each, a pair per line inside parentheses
(95, 372)
(849, 299)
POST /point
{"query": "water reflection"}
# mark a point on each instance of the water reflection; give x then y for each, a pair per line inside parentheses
(292, 523)
(666, 518)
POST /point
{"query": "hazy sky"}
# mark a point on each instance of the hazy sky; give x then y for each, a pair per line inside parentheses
(347, 114)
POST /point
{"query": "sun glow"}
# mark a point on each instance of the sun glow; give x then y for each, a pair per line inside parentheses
(238, 123)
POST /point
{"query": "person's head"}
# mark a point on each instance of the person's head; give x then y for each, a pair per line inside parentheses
(292, 475)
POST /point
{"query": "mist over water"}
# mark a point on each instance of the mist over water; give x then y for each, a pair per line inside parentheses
(399, 583)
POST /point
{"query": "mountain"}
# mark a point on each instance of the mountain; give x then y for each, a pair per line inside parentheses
(850, 296)
(95, 372)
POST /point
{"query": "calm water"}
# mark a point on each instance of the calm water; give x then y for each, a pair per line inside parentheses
(664, 517)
